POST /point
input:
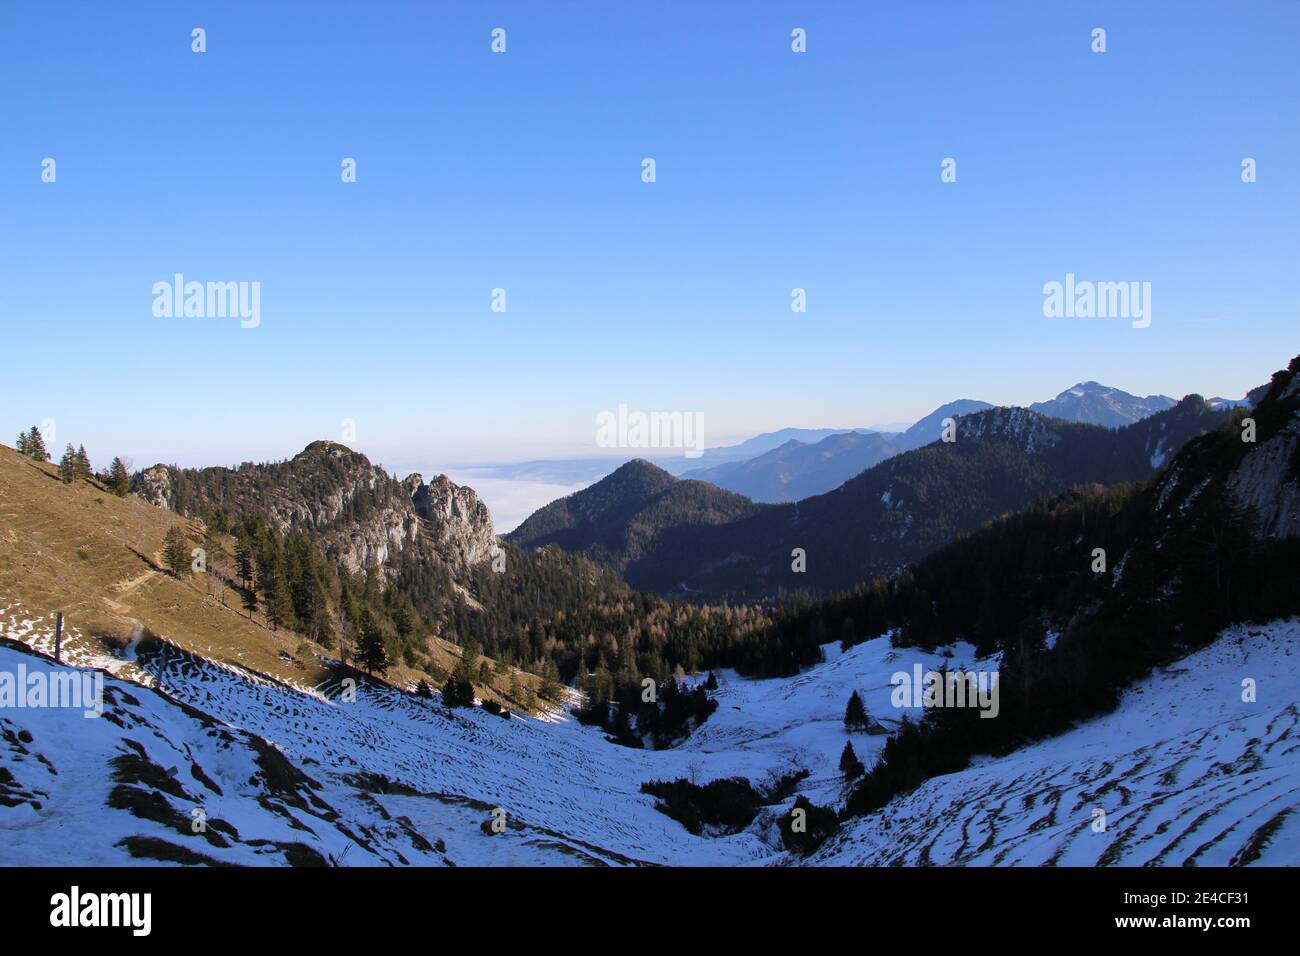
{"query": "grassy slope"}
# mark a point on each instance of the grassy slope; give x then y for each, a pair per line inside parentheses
(97, 558)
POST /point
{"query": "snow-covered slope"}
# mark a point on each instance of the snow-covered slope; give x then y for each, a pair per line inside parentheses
(1185, 771)
(289, 774)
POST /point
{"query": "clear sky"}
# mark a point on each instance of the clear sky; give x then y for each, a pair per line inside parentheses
(522, 171)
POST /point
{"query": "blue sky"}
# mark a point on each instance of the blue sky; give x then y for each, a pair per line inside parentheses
(522, 171)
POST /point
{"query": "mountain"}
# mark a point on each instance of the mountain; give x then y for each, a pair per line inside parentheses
(767, 441)
(793, 463)
(620, 518)
(1100, 405)
(930, 428)
(1121, 690)
(1250, 399)
(1087, 592)
(78, 548)
(797, 470)
(750, 448)
(362, 516)
(813, 461)
(884, 518)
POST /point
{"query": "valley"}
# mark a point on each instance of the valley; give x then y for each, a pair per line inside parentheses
(228, 736)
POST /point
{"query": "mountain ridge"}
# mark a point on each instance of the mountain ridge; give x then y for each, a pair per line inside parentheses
(894, 512)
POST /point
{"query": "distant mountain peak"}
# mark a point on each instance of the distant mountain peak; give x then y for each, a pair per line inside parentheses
(640, 465)
(1093, 403)
(639, 471)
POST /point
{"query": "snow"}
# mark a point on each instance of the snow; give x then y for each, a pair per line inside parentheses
(576, 798)
(1185, 770)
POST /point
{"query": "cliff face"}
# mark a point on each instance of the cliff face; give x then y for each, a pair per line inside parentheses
(1262, 475)
(1268, 479)
(363, 516)
(452, 519)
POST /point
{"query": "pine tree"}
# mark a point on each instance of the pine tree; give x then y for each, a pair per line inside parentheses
(175, 553)
(21, 445)
(855, 714)
(68, 465)
(278, 600)
(712, 682)
(249, 597)
(244, 561)
(551, 688)
(119, 479)
(34, 445)
(371, 653)
(83, 462)
(403, 618)
(850, 765)
(459, 689)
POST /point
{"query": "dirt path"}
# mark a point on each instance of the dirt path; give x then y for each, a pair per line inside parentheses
(126, 588)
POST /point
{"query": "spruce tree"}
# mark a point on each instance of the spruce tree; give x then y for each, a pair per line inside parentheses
(119, 479)
(68, 465)
(855, 714)
(279, 601)
(551, 688)
(371, 653)
(249, 597)
(244, 561)
(34, 447)
(83, 462)
(459, 689)
(850, 765)
(176, 554)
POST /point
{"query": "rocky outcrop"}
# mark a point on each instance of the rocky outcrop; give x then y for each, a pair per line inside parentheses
(457, 524)
(154, 485)
(1268, 479)
(1264, 482)
(1262, 474)
(362, 516)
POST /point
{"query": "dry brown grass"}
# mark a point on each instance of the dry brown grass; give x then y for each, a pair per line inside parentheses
(79, 549)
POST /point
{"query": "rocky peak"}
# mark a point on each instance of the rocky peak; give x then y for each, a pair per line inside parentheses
(154, 485)
(362, 516)
(456, 522)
